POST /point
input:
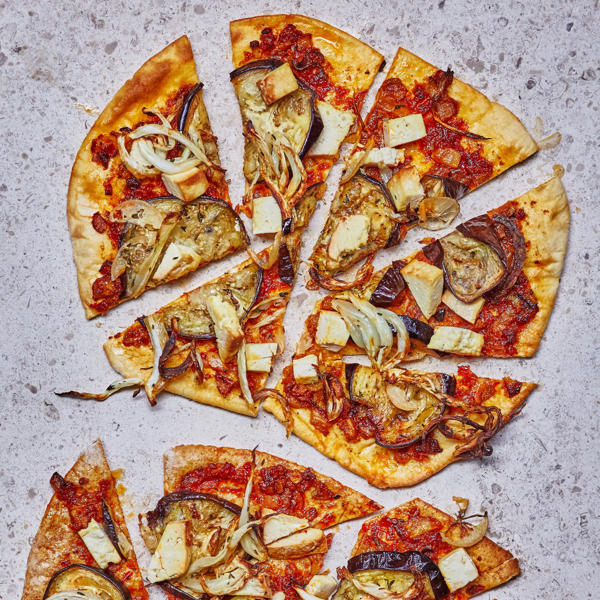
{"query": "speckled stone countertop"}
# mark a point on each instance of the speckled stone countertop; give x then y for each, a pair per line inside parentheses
(58, 57)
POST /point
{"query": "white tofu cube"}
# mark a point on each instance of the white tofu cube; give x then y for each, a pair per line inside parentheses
(458, 569)
(331, 329)
(404, 130)
(99, 545)
(322, 586)
(469, 311)
(426, 283)
(351, 233)
(277, 84)
(187, 185)
(456, 340)
(404, 185)
(259, 357)
(383, 156)
(177, 258)
(266, 216)
(336, 126)
(305, 369)
(172, 556)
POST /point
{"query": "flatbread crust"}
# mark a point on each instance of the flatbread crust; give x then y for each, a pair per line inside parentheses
(159, 77)
(546, 230)
(180, 460)
(55, 543)
(375, 463)
(495, 564)
(354, 63)
(510, 142)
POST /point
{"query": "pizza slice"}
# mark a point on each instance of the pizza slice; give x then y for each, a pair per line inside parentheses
(428, 140)
(82, 548)
(148, 200)
(300, 84)
(417, 552)
(243, 523)
(216, 343)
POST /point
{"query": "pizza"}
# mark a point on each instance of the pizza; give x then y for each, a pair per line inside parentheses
(242, 523)
(417, 552)
(300, 84)
(215, 344)
(148, 200)
(82, 548)
(428, 140)
(486, 289)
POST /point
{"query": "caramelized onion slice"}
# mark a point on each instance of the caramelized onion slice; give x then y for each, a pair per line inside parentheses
(113, 388)
(465, 535)
(437, 212)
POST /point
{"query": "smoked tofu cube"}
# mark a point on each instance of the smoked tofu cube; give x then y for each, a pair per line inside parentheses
(259, 357)
(173, 553)
(228, 330)
(266, 216)
(456, 340)
(426, 284)
(383, 156)
(403, 130)
(404, 185)
(331, 329)
(458, 569)
(99, 545)
(177, 258)
(336, 126)
(469, 311)
(351, 233)
(277, 84)
(187, 185)
(322, 586)
(305, 369)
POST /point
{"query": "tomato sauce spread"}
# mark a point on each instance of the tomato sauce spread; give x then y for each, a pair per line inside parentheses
(410, 530)
(106, 291)
(136, 336)
(277, 487)
(432, 101)
(295, 47)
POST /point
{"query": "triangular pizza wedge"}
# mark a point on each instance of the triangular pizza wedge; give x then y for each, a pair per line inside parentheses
(83, 543)
(427, 141)
(215, 344)
(416, 551)
(254, 523)
(148, 200)
(394, 427)
(300, 84)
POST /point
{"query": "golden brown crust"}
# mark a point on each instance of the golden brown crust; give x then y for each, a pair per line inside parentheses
(546, 230)
(495, 564)
(55, 543)
(131, 361)
(180, 460)
(510, 142)
(354, 63)
(375, 463)
(161, 76)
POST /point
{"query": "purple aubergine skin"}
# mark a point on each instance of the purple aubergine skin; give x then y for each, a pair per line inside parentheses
(401, 561)
(434, 253)
(452, 188)
(513, 266)
(118, 586)
(316, 124)
(153, 517)
(481, 228)
(173, 590)
(110, 528)
(187, 104)
(416, 329)
(390, 285)
(285, 266)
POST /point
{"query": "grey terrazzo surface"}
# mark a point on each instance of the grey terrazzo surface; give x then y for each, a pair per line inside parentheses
(56, 58)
